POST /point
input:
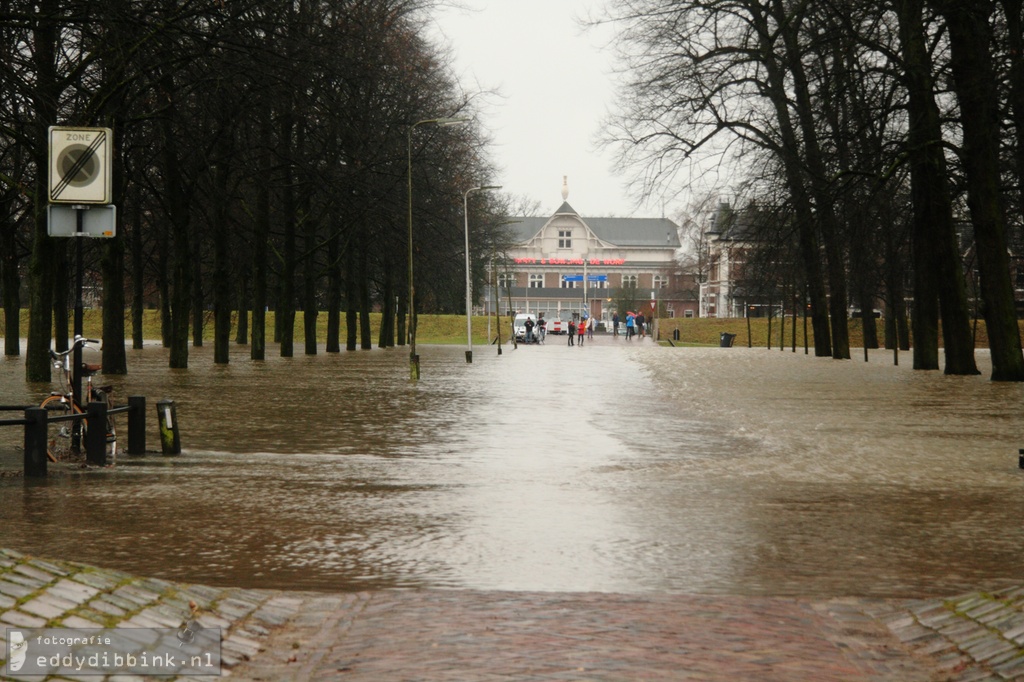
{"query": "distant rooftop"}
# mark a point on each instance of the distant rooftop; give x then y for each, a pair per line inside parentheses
(636, 232)
(626, 232)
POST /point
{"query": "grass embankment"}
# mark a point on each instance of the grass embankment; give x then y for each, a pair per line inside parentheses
(431, 328)
(451, 329)
(707, 332)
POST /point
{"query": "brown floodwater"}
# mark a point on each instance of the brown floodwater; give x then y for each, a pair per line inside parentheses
(618, 467)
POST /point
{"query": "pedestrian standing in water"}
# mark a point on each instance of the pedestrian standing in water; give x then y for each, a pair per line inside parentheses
(580, 330)
(572, 332)
(615, 323)
(640, 322)
(630, 326)
(590, 328)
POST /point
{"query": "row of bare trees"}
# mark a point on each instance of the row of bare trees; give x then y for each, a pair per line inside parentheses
(262, 152)
(868, 126)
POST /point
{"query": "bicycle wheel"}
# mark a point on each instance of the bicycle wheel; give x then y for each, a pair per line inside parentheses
(60, 434)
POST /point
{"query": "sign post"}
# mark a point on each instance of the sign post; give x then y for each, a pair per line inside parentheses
(80, 175)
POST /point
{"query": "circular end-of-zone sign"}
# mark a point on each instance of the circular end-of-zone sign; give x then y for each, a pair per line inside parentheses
(80, 165)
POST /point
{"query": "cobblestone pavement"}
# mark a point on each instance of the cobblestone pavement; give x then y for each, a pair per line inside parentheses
(474, 636)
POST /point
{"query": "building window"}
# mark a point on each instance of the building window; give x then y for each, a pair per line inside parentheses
(688, 313)
(506, 281)
(537, 281)
(629, 280)
(598, 284)
(660, 281)
(565, 239)
(568, 285)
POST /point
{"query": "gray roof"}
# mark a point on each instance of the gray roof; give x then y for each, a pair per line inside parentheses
(743, 224)
(636, 232)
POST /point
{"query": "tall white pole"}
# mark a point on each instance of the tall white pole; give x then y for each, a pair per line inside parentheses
(469, 275)
(469, 281)
(414, 360)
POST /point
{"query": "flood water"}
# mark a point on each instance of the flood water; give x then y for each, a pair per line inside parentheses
(614, 467)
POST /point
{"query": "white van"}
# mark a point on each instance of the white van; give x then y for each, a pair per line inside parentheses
(519, 325)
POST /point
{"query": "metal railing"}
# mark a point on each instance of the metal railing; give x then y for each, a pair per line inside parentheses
(36, 421)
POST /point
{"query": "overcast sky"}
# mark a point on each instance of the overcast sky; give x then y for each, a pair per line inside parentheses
(555, 87)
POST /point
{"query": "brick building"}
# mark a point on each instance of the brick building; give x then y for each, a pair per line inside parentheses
(566, 264)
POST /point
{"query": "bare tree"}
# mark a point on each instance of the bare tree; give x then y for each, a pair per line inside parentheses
(971, 39)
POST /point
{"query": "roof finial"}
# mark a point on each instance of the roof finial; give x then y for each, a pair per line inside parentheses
(565, 188)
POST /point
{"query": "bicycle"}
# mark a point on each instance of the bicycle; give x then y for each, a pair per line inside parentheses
(65, 438)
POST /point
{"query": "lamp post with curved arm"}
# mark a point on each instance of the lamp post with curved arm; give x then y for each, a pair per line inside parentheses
(469, 277)
(414, 360)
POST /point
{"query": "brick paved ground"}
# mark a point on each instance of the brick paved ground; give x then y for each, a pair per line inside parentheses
(474, 636)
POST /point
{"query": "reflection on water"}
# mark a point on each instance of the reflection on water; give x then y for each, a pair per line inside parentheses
(613, 467)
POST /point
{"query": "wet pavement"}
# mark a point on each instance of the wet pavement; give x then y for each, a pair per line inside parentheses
(471, 635)
(715, 603)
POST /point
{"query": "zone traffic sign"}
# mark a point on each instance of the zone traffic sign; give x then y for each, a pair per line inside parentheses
(80, 165)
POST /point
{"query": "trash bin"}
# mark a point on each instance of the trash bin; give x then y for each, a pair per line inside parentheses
(727, 339)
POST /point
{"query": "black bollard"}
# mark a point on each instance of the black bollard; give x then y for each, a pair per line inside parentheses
(170, 441)
(96, 434)
(35, 442)
(136, 425)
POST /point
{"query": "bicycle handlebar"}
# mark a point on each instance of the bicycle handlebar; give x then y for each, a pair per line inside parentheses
(78, 340)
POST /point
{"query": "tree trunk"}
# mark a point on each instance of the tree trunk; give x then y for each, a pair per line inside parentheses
(386, 337)
(138, 295)
(351, 322)
(112, 265)
(938, 274)
(198, 299)
(793, 167)
(260, 248)
(975, 83)
(334, 288)
(11, 285)
(62, 294)
(365, 338)
(221, 236)
(826, 219)
(114, 360)
(1012, 10)
(42, 263)
(401, 332)
(286, 292)
(12, 295)
(243, 296)
(180, 225)
(310, 309)
(164, 281)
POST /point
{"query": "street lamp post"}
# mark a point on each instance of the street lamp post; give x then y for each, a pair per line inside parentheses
(414, 360)
(469, 277)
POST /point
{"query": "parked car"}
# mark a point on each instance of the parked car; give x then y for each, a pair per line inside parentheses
(519, 325)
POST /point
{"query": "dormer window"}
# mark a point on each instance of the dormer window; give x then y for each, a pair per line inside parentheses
(565, 239)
